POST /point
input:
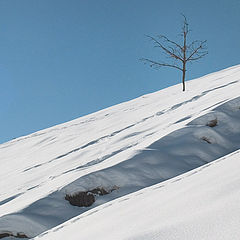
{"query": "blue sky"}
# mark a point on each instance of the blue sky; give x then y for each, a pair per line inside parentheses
(62, 59)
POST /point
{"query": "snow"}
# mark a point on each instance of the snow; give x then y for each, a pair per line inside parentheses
(201, 204)
(133, 145)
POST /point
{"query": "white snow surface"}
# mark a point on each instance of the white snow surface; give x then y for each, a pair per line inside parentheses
(133, 145)
(201, 204)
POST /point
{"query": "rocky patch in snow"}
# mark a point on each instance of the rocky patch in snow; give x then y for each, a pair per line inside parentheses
(9, 234)
(87, 198)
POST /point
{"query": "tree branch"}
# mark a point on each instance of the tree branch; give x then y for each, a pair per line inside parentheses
(169, 52)
(196, 51)
(157, 64)
(200, 56)
(170, 41)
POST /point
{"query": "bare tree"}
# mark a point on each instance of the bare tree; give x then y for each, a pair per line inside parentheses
(180, 54)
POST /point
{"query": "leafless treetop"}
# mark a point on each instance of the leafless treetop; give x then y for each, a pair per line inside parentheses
(179, 53)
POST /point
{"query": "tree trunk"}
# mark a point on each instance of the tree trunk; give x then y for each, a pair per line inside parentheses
(183, 76)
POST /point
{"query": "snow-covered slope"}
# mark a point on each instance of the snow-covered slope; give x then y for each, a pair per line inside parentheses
(127, 147)
(201, 204)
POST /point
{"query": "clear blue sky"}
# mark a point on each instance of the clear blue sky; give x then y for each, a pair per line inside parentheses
(62, 59)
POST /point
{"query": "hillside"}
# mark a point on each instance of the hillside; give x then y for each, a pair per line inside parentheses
(200, 204)
(123, 149)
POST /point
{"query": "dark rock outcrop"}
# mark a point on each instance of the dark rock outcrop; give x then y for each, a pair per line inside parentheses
(212, 123)
(81, 199)
(9, 234)
(86, 199)
(3, 235)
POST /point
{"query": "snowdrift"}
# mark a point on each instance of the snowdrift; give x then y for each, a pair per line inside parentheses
(200, 204)
(121, 149)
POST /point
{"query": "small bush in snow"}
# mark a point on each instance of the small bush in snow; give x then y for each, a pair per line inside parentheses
(212, 123)
(81, 199)
(11, 235)
(86, 199)
(206, 140)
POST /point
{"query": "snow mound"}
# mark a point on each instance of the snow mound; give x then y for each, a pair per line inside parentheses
(200, 204)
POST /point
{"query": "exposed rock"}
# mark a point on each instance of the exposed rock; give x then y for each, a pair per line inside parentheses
(81, 199)
(3, 235)
(86, 199)
(212, 123)
(9, 234)
(99, 191)
(21, 235)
